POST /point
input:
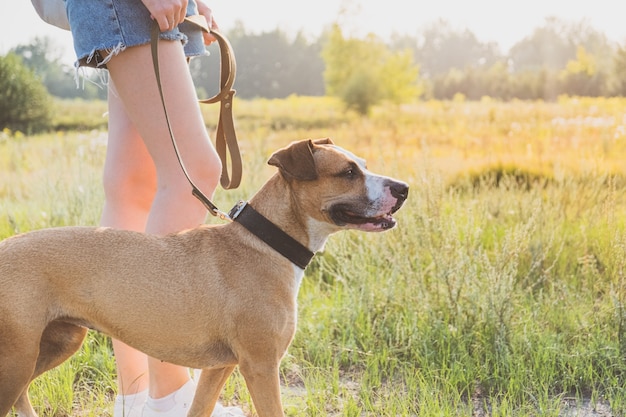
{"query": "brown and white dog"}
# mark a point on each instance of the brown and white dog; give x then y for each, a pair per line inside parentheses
(210, 298)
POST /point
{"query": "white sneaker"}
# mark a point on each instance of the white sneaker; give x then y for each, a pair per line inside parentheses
(182, 402)
(130, 405)
(183, 398)
(221, 411)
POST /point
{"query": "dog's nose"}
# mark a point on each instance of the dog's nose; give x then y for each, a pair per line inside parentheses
(399, 190)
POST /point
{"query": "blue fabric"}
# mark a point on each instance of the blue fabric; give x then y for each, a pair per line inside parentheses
(114, 25)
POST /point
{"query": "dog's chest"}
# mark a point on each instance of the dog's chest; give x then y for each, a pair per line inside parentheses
(298, 275)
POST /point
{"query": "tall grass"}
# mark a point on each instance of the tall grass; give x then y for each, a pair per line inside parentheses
(500, 298)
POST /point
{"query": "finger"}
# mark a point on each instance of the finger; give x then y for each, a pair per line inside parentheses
(180, 17)
(164, 24)
(208, 38)
(211, 24)
(182, 12)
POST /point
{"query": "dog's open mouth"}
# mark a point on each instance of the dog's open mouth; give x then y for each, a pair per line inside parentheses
(342, 216)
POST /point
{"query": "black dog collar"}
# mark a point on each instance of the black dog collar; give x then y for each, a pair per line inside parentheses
(271, 234)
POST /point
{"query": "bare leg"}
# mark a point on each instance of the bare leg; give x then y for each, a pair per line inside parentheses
(129, 187)
(150, 190)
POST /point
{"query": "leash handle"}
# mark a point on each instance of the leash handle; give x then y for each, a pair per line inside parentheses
(226, 137)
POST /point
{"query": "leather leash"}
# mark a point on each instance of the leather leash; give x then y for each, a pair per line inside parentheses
(243, 213)
(226, 138)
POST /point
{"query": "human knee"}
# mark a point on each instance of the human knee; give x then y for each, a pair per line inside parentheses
(205, 171)
(212, 172)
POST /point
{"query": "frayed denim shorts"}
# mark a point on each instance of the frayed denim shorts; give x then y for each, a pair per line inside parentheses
(114, 25)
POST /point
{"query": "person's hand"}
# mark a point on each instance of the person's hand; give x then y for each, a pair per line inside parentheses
(167, 13)
(205, 11)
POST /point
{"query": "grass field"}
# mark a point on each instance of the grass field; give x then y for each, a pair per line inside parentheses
(502, 292)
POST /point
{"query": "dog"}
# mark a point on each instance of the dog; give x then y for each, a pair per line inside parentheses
(210, 298)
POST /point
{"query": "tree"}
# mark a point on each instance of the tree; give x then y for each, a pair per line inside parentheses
(269, 65)
(401, 77)
(25, 105)
(547, 47)
(581, 76)
(554, 44)
(497, 82)
(364, 72)
(618, 75)
(440, 47)
(44, 58)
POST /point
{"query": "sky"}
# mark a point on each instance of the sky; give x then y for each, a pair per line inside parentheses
(502, 21)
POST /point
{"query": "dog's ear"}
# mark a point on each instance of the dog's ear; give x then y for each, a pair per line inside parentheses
(296, 160)
(325, 141)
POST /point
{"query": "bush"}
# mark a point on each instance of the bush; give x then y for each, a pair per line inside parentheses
(361, 92)
(25, 104)
(502, 176)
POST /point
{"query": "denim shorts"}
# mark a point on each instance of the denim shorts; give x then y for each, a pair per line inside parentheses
(114, 25)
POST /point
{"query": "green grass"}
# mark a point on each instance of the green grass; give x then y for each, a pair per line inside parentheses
(507, 299)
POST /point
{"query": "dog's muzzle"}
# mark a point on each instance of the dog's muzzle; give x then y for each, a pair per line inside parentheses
(356, 216)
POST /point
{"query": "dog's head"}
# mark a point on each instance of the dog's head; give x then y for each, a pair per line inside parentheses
(339, 185)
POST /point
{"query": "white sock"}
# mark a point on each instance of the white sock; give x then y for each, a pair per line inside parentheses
(169, 401)
(130, 405)
(162, 404)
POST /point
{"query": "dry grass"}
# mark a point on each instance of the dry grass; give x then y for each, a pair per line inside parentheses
(502, 292)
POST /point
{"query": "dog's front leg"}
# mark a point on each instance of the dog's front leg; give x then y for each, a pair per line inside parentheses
(208, 391)
(23, 406)
(263, 382)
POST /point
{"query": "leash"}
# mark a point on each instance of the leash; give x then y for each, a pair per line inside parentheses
(225, 136)
(226, 140)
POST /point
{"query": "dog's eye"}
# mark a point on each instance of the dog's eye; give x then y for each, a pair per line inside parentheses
(349, 173)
